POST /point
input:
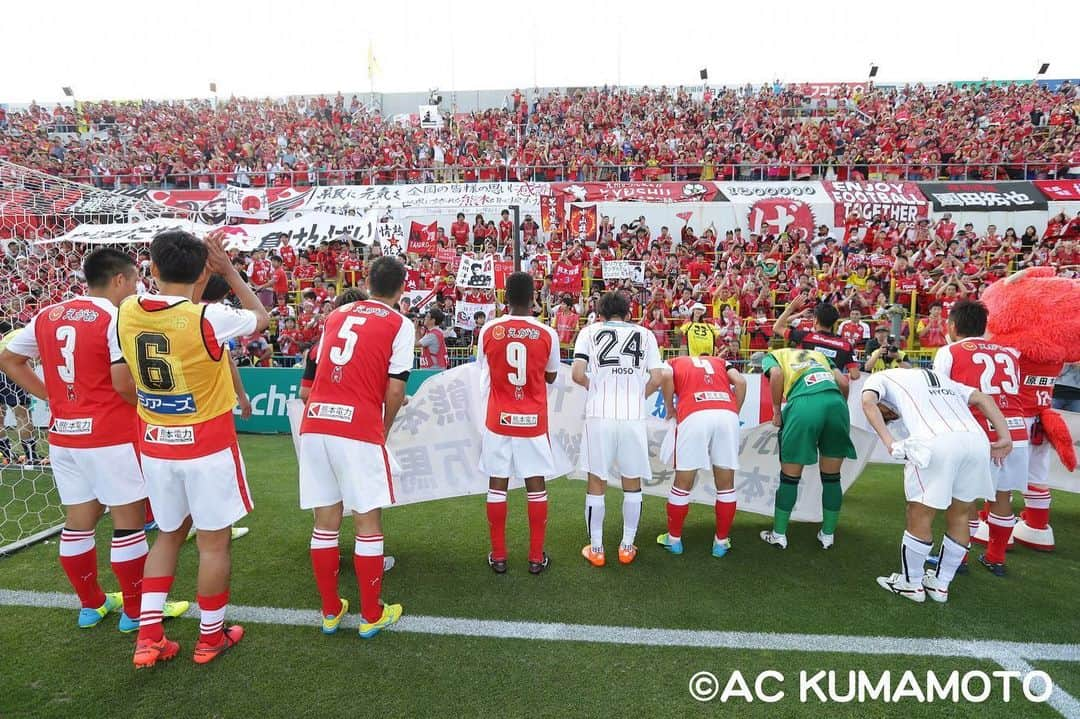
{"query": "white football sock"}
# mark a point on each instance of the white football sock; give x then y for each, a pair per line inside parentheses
(952, 555)
(594, 520)
(631, 516)
(913, 553)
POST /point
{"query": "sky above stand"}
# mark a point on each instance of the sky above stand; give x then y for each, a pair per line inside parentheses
(121, 49)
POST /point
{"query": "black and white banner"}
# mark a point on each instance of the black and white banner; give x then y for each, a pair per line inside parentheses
(983, 196)
(246, 203)
(477, 272)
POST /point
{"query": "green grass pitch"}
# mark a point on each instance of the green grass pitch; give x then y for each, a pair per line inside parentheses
(49, 668)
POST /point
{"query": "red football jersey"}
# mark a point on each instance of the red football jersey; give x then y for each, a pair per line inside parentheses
(260, 272)
(701, 383)
(76, 341)
(992, 369)
(1037, 380)
(513, 353)
(362, 345)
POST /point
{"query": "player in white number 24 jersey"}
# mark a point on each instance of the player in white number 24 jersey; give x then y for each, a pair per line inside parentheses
(619, 364)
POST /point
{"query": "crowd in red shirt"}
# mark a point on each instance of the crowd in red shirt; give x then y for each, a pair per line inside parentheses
(789, 132)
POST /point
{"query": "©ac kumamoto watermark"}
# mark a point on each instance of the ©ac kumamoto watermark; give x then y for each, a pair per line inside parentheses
(858, 686)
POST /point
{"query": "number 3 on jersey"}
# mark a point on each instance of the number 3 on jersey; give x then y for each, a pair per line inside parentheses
(999, 375)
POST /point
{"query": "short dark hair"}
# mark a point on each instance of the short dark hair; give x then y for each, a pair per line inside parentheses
(969, 318)
(437, 315)
(215, 290)
(103, 264)
(350, 295)
(519, 289)
(179, 256)
(826, 315)
(386, 277)
(613, 304)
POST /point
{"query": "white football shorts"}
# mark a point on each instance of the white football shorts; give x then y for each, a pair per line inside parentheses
(111, 475)
(1038, 459)
(705, 439)
(334, 469)
(615, 448)
(520, 457)
(1012, 475)
(212, 489)
(959, 469)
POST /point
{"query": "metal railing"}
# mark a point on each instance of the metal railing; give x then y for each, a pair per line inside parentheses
(667, 172)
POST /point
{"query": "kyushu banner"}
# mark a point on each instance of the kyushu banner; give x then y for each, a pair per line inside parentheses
(636, 191)
(899, 201)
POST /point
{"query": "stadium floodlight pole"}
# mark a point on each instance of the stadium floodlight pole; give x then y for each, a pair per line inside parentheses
(515, 210)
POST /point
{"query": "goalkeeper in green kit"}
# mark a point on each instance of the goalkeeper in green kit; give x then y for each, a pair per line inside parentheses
(815, 421)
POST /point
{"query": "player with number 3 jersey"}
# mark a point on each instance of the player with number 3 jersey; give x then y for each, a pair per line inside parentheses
(994, 370)
(518, 356)
(618, 363)
(709, 395)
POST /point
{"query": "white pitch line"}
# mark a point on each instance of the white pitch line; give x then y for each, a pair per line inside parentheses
(1009, 655)
(604, 634)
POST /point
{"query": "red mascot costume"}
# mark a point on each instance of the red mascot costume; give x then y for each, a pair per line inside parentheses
(1038, 314)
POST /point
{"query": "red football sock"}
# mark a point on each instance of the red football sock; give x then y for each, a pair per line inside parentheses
(496, 514)
(368, 562)
(1037, 507)
(1000, 531)
(325, 563)
(128, 555)
(538, 511)
(154, 592)
(678, 506)
(725, 512)
(78, 557)
(212, 617)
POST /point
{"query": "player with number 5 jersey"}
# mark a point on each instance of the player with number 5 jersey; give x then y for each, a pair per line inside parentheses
(518, 357)
(364, 359)
(618, 363)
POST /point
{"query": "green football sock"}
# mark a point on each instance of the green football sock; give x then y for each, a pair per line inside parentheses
(786, 494)
(832, 495)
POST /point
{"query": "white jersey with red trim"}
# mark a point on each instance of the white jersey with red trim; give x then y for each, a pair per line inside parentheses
(619, 357)
(930, 404)
(992, 369)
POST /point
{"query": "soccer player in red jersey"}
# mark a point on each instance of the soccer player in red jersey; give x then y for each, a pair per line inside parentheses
(704, 397)
(994, 370)
(518, 357)
(92, 434)
(363, 363)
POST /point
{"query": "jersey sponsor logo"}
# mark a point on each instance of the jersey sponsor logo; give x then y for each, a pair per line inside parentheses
(522, 333)
(169, 435)
(56, 313)
(711, 397)
(82, 315)
(969, 346)
(332, 412)
(826, 351)
(1036, 381)
(168, 403)
(814, 377)
(508, 419)
(72, 426)
(498, 332)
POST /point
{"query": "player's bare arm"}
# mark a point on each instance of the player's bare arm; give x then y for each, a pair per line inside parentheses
(123, 382)
(738, 385)
(656, 380)
(219, 263)
(876, 418)
(794, 308)
(842, 382)
(776, 393)
(1000, 448)
(395, 397)
(577, 373)
(18, 370)
(238, 387)
(667, 389)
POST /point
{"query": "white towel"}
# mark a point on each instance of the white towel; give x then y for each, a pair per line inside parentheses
(912, 450)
